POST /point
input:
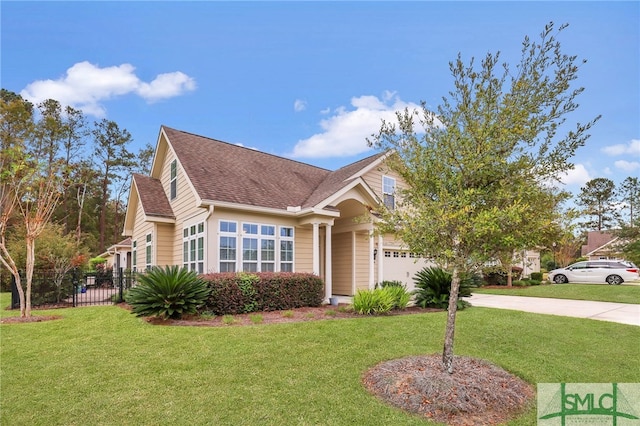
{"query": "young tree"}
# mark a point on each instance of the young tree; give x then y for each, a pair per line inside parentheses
(598, 200)
(16, 128)
(473, 160)
(111, 149)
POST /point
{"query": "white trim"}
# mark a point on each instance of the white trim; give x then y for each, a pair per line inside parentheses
(316, 249)
(328, 282)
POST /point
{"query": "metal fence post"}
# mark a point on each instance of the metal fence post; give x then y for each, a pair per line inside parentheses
(121, 285)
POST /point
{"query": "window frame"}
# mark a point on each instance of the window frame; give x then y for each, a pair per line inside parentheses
(173, 180)
(388, 192)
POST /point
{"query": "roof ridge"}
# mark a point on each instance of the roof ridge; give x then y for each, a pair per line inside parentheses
(247, 148)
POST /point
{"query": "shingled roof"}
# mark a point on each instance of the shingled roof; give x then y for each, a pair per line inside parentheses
(152, 197)
(220, 171)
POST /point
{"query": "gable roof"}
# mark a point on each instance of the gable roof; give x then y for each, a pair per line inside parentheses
(596, 240)
(152, 197)
(224, 172)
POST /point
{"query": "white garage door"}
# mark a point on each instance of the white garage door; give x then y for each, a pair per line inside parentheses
(401, 266)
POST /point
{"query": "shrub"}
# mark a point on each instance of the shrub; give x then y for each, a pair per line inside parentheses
(536, 276)
(376, 301)
(233, 293)
(167, 292)
(384, 284)
(433, 287)
(497, 275)
(400, 296)
(520, 283)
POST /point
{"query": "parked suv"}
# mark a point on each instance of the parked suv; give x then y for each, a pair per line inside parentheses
(612, 272)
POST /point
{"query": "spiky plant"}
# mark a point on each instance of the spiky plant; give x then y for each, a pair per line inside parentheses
(167, 292)
(433, 286)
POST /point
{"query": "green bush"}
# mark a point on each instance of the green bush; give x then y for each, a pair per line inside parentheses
(376, 301)
(167, 292)
(400, 295)
(390, 284)
(238, 293)
(433, 287)
(520, 283)
(536, 276)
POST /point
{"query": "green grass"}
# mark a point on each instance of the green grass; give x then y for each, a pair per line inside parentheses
(599, 292)
(104, 366)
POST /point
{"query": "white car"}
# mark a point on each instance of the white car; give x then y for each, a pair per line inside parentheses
(612, 272)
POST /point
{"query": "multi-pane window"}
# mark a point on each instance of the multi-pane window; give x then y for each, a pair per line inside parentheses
(267, 248)
(134, 256)
(256, 247)
(193, 248)
(174, 179)
(286, 249)
(148, 253)
(228, 248)
(388, 192)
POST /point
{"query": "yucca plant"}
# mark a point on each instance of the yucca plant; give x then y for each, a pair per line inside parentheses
(167, 292)
(433, 287)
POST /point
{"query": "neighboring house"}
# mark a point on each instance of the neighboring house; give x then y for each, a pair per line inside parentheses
(212, 206)
(601, 245)
(118, 255)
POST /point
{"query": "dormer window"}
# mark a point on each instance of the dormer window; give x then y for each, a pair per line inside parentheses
(388, 192)
(174, 179)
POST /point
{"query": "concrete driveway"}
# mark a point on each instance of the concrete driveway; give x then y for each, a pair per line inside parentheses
(623, 313)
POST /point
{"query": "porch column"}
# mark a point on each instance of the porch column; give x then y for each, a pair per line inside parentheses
(316, 249)
(372, 278)
(380, 259)
(328, 289)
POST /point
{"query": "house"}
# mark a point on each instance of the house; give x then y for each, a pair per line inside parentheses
(213, 206)
(601, 245)
(118, 255)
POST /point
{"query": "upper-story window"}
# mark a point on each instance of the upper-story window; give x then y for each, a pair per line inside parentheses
(174, 179)
(388, 192)
(148, 258)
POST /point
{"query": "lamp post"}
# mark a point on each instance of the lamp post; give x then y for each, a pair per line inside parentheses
(554, 255)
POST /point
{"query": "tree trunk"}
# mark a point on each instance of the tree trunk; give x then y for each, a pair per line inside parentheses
(31, 258)
(447, 353)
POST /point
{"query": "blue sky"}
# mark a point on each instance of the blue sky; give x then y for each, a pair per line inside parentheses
(310, 80)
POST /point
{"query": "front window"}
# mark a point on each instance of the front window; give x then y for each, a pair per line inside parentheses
(134, 256)
(193, 248)
(228, 247)
(286, 249)
(256, 249)
(388, 192)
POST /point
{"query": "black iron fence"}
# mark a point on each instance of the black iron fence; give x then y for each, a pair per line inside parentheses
(74, 288)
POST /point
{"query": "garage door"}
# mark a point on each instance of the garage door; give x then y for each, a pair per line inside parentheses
(402, 266)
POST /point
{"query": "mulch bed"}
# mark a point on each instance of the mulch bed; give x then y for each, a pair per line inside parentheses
(36, 318)
(325, 312)
(476, 393)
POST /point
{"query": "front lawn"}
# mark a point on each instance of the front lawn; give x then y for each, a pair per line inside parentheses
(599, 292)
(102, 365)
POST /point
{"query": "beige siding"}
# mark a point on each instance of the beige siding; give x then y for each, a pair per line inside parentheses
(164, 244)
(183, 206)
(141, 229)
(373, 178)
(303, 246)
(342, 277)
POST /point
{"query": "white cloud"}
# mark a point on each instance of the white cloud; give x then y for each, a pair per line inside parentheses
(344, 133)
(633, 147)
(627, 166)
(85, 86)
(578, 176)
(299, 105)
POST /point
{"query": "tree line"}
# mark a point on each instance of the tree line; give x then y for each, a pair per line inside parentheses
(62, 177)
